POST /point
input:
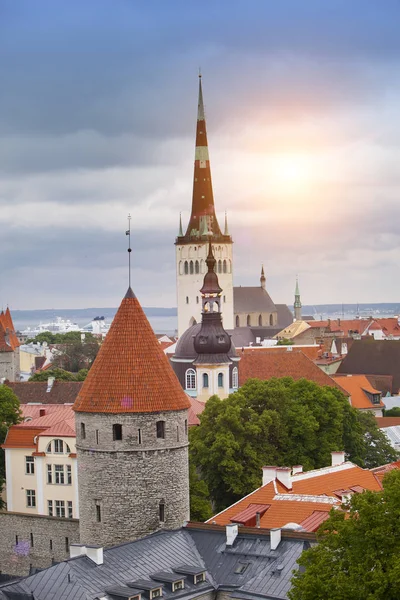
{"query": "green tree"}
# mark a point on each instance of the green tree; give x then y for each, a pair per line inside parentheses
(58, 374)
(280, 422)
(356, 557)
(378, 450)
(10, 414)
(393, 412)
(285, 342)
(75, 355)
(200, 505)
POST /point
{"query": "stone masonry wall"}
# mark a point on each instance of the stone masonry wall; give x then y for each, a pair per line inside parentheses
(123, 482)
(34, 540)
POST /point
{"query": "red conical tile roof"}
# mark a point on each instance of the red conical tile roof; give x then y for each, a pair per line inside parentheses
(131, 373)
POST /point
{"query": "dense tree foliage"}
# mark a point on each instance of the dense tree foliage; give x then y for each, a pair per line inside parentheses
(280, 422)
(356, 557)
(59, 375)
(61, 338)
(10, 414)
(393, 412)
(200, 505)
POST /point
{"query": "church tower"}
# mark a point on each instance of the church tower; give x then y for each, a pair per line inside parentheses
(131, 436)
(297, 302)
(191, 247)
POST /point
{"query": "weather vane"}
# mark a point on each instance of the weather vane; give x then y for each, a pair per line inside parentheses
(128, 233)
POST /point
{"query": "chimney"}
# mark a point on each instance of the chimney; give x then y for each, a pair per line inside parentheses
(231, 534)
(50, 383)
(42, 412)
(346, 495)
(297, 469)
(269, 474)
(338, 322)
(258, 520)
(95, 553)
(338, 458)
(283, 474)
(77, 550)
(275, 537)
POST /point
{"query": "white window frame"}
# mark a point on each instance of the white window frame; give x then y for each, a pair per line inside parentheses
(70, 509)
(59, 475)
(49, 474)
(60, 508)
(69, 474)
(190, 379)
(31, 498)
(50, 508)
(235, 378)
(58, 444)
(29, 465)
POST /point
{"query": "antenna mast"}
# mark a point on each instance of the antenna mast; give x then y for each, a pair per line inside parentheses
(128, 233)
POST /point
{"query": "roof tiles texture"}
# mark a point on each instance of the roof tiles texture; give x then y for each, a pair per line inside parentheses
(59, 423)
(265, 365)
(131, 373)
(356, 386)
(62, 392)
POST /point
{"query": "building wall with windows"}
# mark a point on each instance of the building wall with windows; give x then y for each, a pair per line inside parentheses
(190, 270)
(42, 479)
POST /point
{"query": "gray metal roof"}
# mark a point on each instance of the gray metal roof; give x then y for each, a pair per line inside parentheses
(262, 573)
(252, 299)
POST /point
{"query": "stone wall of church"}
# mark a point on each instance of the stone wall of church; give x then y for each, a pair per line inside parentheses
(132, 486)
(9, 365)
(34, 541)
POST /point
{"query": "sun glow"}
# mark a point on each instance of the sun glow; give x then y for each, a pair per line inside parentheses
(290, 173)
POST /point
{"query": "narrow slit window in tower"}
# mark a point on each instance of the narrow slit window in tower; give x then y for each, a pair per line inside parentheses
(98, 511)
(260, 320)
(161, 511)
(139, 432)
(248, 320)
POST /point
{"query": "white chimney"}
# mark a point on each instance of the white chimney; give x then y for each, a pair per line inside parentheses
(297, 469)
(50, 383)
(283, 474)
(95, 553)
(269, 474)
(231, 533)
(275, 537)
(77, 550)
(338, 458)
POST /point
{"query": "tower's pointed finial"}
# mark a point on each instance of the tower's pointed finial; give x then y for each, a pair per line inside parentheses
(128, 233)
(297, 291)
(200, 107)
(180, 233)
(226, 230)
(297, 301)
(262, 278)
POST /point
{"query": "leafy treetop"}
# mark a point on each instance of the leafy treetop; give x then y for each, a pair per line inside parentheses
(358, 554)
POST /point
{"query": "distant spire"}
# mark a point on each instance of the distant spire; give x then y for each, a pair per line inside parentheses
(262, 278)
(297, 302)
(226, 230)
(180, 234)
(203, 197)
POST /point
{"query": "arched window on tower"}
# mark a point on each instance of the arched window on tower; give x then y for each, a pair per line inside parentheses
(219, 266)
(237, 321)
(248, 320)
(186, 267)
(220, 380)
(205, 380)
(180, 267)
(271, 320)
(235, 378)
(230, 266)
(224, 269)
(191, 267)
(197, 267)
(190, 379)
(260, 320)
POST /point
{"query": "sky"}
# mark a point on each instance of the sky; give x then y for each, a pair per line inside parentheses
(98, 103)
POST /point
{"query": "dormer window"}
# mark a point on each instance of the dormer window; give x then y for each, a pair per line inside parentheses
(156, 593)
(178, 585)
(199, 578)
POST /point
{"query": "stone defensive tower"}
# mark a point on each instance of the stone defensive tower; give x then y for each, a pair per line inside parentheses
(191, 247)
(131, 436)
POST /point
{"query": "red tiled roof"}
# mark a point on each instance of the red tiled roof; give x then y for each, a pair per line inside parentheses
(21, 437)
(249, 514)
(62, 392)
(7, 327)
(380, 472)
(51, 418)
(383, 422)
(264, 366)
(131, 373)
(389, 326)
(356, 386)
(32, 411)
(334, 479)
(196, 408)
(313, 522)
